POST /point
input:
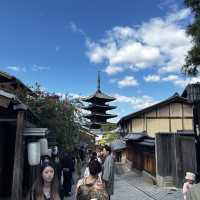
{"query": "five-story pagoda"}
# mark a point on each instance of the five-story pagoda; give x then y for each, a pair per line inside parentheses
(98, 107)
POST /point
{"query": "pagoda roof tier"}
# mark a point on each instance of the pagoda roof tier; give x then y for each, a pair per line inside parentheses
(99, 96)
(95, 125)
(99, 115)
(97, 106)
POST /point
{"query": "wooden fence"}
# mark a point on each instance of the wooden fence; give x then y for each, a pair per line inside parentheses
(175, 155)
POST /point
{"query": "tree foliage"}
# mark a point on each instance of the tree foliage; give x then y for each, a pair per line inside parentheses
(192, 60)
(108, 137)
(60, 115)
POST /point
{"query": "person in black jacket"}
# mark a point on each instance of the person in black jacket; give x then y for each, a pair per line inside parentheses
(67, 166)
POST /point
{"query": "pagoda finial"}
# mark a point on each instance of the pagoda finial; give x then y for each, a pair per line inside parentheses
(98, 81)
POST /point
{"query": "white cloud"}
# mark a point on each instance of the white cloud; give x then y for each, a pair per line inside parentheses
(152, 78)
(136, 103)
(16, 68)
(136, 54)
(40, 68)
(182, 14)
(110, 70)
(161, 43)
(74, 95)
(127, 82)
(175, 79)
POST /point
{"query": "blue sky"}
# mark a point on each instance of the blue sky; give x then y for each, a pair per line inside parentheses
(139, 47)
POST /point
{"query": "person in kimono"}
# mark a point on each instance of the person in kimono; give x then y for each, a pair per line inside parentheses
(108, 170)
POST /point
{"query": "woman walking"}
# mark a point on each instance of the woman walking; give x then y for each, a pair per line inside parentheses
(46, 186)
(91, 186)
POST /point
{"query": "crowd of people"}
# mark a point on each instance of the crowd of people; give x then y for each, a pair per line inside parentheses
(55, 179)
(98, 180)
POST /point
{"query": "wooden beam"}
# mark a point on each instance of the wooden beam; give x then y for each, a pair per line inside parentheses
(164, 117)
(8, 120)
(18, 159)
(4, 102)
(170, 121)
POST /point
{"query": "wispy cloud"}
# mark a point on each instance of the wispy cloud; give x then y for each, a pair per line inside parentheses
(40, 68)
(110, 70)
(16, 68)
(175, 79)
(136, 103)
(127, 82)
(152, 78)
(74, 27)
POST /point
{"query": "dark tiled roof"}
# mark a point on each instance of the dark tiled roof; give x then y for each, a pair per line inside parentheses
(106, 107)
(174, 98)
(89, 116)
(99, 95)
(147, 142)
(118, 145)
(5, 77)
(135, 136)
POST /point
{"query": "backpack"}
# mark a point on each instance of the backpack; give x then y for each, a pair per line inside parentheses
(92, 191)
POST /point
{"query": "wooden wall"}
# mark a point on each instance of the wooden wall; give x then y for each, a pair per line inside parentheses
(168, 118)
(141, 157)
(173, 158)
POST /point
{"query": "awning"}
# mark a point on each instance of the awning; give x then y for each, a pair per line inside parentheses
(134, 136)
(118, 145)
(147, 142)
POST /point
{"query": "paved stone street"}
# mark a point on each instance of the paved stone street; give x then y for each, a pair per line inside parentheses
(132, 186)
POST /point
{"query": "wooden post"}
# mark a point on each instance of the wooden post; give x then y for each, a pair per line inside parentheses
(18, 159)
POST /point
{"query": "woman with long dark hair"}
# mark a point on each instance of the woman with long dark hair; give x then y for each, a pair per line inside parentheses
(46, 186)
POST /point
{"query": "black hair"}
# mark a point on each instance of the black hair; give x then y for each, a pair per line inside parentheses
(47, 164)
(108, 148)
(94, 167)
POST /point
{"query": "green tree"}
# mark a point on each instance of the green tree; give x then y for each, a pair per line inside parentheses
(192, 60)
(60, 115)
(108, 137)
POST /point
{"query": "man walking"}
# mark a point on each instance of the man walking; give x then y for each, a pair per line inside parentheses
(108, 170)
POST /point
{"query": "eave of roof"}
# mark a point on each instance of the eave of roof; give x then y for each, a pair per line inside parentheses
(150, 143)
(93, 106)
(89, 116)
(174, 98)
(17, 104)
(98, 95)
(118, 145)
(135, 136)
(13, 78)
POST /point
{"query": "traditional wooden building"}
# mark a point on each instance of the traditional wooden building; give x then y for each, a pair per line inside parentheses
(16, 119)
(140, 128)
(13, 85)
(98, 107)
(170, 115)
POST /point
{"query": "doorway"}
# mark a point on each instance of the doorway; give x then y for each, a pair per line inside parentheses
(7, 145)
